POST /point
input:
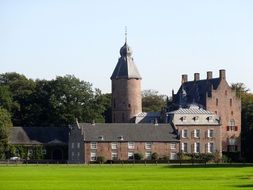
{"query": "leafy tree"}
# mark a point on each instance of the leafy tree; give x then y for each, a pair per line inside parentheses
(155, 156)
(152, 101)
(20, 88)
(5, 125)
(247, 119)
(138, 156)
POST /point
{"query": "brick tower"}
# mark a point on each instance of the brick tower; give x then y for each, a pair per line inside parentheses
(126, 88)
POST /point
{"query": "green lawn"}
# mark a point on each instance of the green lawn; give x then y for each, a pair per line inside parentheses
(118, 177)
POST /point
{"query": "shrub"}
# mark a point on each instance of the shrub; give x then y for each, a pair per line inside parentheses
(155, 156)
(138, 156)
(101, 159)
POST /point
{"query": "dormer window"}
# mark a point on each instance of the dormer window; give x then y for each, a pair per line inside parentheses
(101, 138)
(209, 118)
(196, 118)
(183, 119)
(120, 138)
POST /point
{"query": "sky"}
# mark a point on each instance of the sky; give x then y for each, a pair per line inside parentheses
(49, 38)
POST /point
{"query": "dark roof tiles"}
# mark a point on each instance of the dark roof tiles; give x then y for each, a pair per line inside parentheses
(129, 132)
(39, 135)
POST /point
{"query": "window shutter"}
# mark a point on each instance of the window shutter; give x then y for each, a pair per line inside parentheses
(236, 128)
(227, 128)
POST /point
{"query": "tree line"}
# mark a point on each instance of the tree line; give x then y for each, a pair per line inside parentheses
(55, 102)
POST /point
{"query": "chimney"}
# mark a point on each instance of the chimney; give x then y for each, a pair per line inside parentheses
(223, 74)
(196, 76)
(209, 75)
(184, 78)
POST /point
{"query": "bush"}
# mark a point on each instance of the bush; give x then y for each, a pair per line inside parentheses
(155, 156)
(101, 159)
(138, 156)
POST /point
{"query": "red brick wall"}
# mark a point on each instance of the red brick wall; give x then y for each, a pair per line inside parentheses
(104, 149)
(226, 111)
(203, 140)
(126, 99)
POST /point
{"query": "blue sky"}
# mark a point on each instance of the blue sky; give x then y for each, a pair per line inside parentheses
(49, 38)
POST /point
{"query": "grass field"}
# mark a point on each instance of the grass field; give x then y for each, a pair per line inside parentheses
(126, 177)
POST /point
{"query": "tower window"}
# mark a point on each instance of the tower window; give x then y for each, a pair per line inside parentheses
(217, 102)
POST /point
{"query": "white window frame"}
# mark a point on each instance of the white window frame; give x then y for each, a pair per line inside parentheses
(130, 154)
(184, 147)
(210, 133)
(173, 156)
(210, 147)
(114, 145)
(196, 147)
(231, 141)
(184, 133)
(93, 145)
(148, 155)
(173, 146)
(93, 156)
(196, 133)
(114, 156)
(131, 145)
(148, 145)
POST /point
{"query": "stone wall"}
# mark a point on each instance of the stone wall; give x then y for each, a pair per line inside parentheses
(227, 106)
(104, 149)
(126, 100)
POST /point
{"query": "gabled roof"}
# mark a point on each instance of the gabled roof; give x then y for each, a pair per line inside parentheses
(39, 135)
(196, 91)
(128, 132)
(126, 68)
(192, 109)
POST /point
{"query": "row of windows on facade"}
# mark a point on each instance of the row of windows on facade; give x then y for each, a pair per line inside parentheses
(196, 133)
(30, 152)
(230, 102)
(114, 145)
(195, 118)
(130, 155)
(131, 145)
(195, 148)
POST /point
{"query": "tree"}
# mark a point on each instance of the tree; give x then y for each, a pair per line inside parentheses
(20, 88)
(247, 119)
(152, 101)
(5, 125)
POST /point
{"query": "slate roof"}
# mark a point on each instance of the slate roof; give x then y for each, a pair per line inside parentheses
(191, 110)
(128, 132)
(126, 68)
(147, 117)
(39, 135)
(196, 91)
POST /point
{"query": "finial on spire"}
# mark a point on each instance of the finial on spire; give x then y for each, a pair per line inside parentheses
(126, 34)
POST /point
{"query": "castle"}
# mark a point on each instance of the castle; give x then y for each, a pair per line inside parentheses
(203, 117)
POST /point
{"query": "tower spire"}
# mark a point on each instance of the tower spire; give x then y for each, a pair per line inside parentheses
(126, 34)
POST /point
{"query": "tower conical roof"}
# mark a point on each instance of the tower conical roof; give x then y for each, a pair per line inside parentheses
(126, 68)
